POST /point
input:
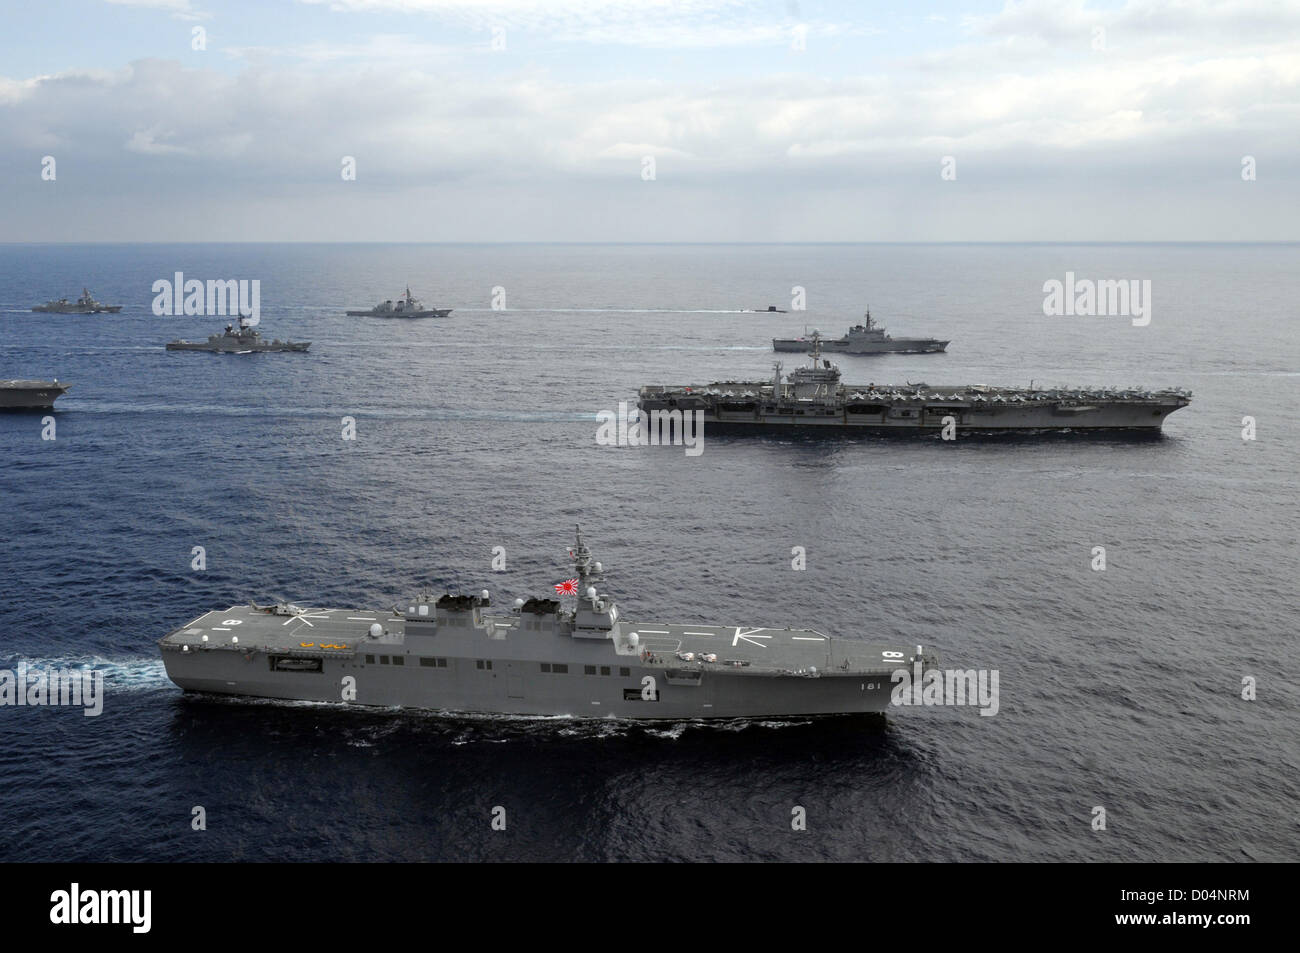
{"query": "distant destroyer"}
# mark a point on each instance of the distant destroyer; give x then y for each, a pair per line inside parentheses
(30, 395)
(407, 306)
(538, 658)
(242, 340)
(813, 399)
(86, 304)
(865, 338)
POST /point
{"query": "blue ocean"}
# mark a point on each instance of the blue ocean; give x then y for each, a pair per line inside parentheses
(1120, 688)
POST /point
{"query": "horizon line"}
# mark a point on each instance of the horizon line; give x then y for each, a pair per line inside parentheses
(1282, 241)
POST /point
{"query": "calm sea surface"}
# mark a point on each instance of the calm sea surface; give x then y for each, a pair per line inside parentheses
(1119, 689)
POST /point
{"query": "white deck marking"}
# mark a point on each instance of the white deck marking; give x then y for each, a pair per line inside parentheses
(662, 645)
(217, 628)
(807, 638)
(748, 636)
(656, 632)
(303, 617)
(706, 635)
(362, 618)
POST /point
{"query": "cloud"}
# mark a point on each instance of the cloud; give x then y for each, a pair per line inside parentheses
(179, 9)
(146, 142)
(651, 24)
(1034, 116)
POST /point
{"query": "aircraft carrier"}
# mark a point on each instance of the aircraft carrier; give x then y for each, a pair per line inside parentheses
(30, 395)
(814, 399)
(539, 657)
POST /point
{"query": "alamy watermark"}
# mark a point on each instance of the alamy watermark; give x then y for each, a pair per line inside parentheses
(53, 687)
(213, 297)
(628, 428)
(78, 905)
(951, 687)
(1124, 297)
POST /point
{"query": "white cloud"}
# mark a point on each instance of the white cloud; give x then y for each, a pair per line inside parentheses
(1030, 114)
(651, 24)
(179, 9)
(146, 142)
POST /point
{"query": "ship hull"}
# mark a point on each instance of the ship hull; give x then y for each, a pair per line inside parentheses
(432, 313)
(895, 346)
(297, 346)
(514, 688)
(1011, 420)
(112, 309)
(30, 398)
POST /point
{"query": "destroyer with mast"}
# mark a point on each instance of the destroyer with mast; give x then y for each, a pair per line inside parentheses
(406, 306)
(86, 304)
(244, 339)
(865, 338)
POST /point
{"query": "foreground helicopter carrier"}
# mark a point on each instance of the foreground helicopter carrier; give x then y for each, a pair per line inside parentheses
(813, 398)
(537, 658)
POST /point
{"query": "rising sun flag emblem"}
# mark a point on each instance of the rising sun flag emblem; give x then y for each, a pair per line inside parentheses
(567, 588)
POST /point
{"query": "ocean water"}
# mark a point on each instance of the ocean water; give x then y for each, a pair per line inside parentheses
(1118, 689)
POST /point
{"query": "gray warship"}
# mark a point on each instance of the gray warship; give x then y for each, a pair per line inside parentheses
(30, 395)
(407, 306)
(813, 399)
(86, 304)
(865, 338)
(242, 340)
(537, 658)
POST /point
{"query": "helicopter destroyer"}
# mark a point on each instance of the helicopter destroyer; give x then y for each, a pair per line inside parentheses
(813, 399)
(31, 395)
(865, 338)
(242, 340)
(407, 306)
(86, 304)
(457, 654)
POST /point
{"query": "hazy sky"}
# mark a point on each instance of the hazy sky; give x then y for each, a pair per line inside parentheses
(775, 120)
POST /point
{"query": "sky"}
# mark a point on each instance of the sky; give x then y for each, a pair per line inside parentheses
(649, 120)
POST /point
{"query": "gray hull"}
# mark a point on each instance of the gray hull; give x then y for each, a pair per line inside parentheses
(1148, 418)
(518, 687)
(30, 395)
(229, 348)
(429, 313)
(844, 346)
(75, 309)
